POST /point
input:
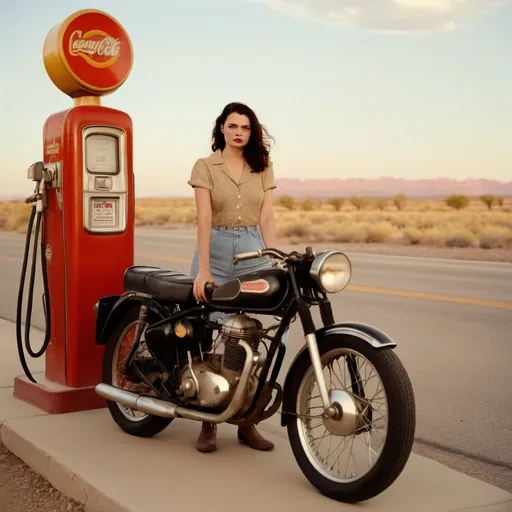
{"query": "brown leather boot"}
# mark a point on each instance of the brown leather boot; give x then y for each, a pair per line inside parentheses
(251, 437)
(207, 441)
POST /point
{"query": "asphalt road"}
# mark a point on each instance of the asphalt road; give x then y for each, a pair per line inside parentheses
(452, 321)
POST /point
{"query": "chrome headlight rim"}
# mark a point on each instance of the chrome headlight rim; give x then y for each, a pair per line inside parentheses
(318, 264)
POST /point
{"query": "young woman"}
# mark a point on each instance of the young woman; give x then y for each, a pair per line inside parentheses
(233, 193)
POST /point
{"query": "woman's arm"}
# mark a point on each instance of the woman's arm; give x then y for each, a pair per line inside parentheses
(267, 220)
(204, 226)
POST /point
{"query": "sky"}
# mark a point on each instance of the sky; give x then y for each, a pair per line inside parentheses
(348, 88)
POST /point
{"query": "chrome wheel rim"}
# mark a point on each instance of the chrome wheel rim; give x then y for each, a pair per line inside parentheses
(361, 424)
(126, 343)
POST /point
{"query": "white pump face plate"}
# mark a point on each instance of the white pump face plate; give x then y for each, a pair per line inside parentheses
(105, 180)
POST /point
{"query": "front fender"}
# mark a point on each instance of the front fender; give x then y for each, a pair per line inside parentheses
(112, 308)
(367, 333)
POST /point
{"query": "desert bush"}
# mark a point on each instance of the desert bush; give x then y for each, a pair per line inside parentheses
(14, 216)
(379, 233)
(400, 201)
(488, 200)
(495, 237)
(442, 225)
(336, 203)
(412, 236)
(287, 202)
(381, 204)
(307, 205)
(433, 236)
(294, 229)
(358, 202)
(457, 201)
(459, 238)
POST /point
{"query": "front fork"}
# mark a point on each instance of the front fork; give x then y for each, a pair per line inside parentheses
(309, 330)
(329, 410)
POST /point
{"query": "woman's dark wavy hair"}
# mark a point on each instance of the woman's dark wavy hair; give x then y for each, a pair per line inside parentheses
(257, 150)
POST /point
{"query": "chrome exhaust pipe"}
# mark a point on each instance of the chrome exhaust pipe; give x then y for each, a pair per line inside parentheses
(140, 403)
(157, 407)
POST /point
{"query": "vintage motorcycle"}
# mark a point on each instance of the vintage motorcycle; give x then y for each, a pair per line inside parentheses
(167, 356)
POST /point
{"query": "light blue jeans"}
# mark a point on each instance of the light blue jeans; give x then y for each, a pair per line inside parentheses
(225, 243)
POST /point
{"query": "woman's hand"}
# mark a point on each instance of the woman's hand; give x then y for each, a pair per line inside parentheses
(203, 277)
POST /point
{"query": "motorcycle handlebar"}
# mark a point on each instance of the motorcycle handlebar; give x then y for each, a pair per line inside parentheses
(258, 254)
(247, 256)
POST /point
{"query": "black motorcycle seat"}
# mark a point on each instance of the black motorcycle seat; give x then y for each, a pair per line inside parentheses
(162, 284)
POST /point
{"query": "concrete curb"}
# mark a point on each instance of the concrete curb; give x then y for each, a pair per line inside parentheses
(57, 473)
(108, 471)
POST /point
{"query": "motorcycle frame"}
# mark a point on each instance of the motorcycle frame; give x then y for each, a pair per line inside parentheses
(111, 308)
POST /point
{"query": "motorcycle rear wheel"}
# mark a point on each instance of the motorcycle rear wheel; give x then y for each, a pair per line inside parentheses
(132, 422)
(360, 416)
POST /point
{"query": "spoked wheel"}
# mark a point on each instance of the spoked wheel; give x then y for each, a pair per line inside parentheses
(117, 349)
(358, 453)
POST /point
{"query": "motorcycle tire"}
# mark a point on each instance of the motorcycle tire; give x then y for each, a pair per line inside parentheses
(149, 425)
(401, 423)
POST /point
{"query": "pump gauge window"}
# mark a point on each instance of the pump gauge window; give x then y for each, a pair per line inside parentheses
(102, 154)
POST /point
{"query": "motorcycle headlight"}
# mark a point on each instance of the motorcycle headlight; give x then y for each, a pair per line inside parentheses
(332, 271)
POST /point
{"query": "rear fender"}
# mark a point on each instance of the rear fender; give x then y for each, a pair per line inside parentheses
(366, 333)
(111, 309)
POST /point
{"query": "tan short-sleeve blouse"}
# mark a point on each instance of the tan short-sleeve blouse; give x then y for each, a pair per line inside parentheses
(233, 204)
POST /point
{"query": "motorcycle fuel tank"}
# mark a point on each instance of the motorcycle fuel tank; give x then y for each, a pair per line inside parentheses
(262, 291)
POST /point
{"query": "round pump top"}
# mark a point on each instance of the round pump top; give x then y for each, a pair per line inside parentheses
(88, 54)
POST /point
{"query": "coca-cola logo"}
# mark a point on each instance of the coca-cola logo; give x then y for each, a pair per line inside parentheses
(96, 47)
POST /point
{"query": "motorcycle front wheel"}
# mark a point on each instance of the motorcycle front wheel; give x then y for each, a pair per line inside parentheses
(117, 349)
(362, 450)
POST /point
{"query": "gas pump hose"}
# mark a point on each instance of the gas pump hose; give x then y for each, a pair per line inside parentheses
(36, 211)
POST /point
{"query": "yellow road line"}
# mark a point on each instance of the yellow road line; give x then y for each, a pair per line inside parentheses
(370, 289)
(355, 288)
(431, 296)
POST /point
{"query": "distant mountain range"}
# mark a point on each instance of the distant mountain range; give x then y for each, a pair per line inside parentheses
(386, 187)
(381, 187)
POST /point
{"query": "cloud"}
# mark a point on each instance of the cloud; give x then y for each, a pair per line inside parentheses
(402, 16)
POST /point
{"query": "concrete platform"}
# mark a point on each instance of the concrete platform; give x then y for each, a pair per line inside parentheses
(87, 457)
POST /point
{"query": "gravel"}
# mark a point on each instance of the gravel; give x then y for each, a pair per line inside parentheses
(23, 490)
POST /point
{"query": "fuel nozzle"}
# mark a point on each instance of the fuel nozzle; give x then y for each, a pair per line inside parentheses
(40, 175)
(35, 171)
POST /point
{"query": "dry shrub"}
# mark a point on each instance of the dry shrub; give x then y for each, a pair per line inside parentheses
(495, 237)
(319, 218)
(347, 233)
(294, 229)
(433, 236)
(412, 236)
(459, 238)
(379, 233)
(14, 216)
(165, 212)
(422, 222)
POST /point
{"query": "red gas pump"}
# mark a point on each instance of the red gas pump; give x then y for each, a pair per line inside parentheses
(85, 199)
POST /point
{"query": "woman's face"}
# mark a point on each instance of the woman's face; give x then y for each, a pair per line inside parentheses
(237, 130)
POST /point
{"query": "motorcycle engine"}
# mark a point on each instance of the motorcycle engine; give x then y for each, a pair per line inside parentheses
(211, 383)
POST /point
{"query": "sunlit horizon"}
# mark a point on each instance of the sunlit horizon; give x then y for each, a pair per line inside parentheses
(395, 89)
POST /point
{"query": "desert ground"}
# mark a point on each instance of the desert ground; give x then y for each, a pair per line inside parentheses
(453, 226)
